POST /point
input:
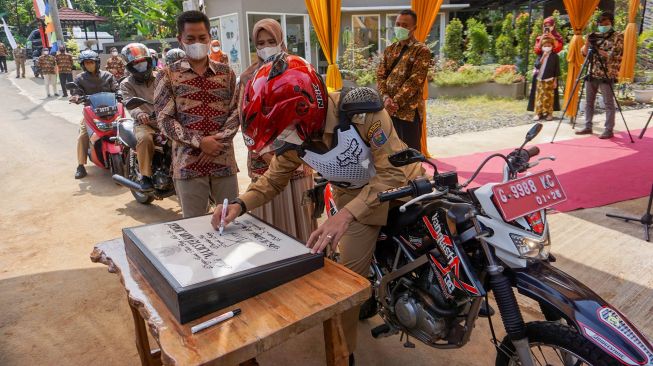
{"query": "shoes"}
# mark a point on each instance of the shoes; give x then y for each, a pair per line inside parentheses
(607, 134)
(56, 94)
(549, 117)
(584, 131)
(49, 96)
(146, 184)
(80, 172)
(537, 117)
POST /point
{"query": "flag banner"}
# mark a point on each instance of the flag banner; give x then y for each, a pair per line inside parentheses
(10, 37)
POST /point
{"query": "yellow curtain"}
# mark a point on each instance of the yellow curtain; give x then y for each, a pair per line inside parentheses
(627, 70)
(580, 12)
(325, 16)
(427, 11)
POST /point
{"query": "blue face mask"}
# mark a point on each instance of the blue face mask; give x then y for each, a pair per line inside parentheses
(604, 28)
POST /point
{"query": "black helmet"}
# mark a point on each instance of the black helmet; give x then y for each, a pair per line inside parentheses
(174, 55)
(89, 55)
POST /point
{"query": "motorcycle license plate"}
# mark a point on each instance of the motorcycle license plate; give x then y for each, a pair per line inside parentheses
(526, 195)
(106, 110)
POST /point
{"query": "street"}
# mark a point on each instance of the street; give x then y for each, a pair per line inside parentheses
(59, 308)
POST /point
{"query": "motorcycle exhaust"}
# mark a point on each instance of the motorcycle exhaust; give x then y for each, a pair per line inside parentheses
(127, 183)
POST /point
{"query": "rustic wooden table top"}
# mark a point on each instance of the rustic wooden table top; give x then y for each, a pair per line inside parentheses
(267, 319)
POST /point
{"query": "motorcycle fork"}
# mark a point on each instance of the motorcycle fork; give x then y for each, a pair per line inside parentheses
(511, 316)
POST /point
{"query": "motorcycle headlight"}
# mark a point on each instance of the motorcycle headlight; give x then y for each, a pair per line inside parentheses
(530, 248)
(102, 126)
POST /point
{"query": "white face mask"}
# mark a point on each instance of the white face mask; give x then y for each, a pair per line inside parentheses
(140, 67)
(267, 52)
(45, 53)
(114, 53)
(196, 51)
(216, 49)
(547, 49)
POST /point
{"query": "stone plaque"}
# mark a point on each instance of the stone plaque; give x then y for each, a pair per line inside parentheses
(196, 271)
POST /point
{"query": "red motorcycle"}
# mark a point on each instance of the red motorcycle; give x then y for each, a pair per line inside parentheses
(103, 113)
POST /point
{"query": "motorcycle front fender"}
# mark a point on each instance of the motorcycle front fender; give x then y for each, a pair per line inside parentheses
(594, 318)
(113, 148)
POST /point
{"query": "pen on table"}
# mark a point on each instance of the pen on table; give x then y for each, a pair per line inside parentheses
(225, 203)
(211, 322)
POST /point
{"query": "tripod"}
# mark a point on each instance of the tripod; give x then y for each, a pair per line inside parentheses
(646, 219)
(584, 75)
(641, 135)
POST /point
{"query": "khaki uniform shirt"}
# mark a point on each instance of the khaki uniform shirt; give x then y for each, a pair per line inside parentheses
(377, 131)
(405, 82)
(130, 88)
(20, 55)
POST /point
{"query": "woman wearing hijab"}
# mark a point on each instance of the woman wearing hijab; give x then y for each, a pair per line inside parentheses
(216, 53)
(286, 210)
(550, 33)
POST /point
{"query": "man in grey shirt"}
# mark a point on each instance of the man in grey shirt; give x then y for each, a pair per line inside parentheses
(91, 81)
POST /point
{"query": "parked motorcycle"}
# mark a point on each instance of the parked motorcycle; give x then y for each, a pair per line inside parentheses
(445, 249)
(103, 112)
(161, 161)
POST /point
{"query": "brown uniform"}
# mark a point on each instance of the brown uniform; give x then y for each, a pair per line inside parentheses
(130, 88)
(358, 242)
(20, 56)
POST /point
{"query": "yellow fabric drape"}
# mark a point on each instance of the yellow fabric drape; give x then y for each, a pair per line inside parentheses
(325, 16)
(427, 11)
(580, 12)
(627, 70)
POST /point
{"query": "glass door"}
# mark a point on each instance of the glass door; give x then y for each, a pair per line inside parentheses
(296, 36)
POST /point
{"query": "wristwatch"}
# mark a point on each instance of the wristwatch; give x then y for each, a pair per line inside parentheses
(243, 207)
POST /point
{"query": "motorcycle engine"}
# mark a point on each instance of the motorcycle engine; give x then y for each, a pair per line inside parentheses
(425, 325)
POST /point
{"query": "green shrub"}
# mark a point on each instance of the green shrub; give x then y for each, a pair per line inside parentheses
(466, 75)
(478, 41)
(507, 74)
(453, 41)
(522, 37)
(505, 45)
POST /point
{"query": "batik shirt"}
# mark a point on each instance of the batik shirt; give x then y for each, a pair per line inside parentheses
(65, 63)
(613, 44)
(3, 50)
(405, 82)
(116, 66)
(192, 106)
(47, 63)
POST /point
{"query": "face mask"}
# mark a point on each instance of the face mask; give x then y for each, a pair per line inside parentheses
(604, 28)
(114, 54)
(267, 52)
(140, 67)
(216, 49)
(547, 49)
(196, 51)
(402, 33)
(45, 53)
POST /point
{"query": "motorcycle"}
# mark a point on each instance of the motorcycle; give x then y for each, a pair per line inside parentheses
(103, 113)
(161, 161)
(447, 247)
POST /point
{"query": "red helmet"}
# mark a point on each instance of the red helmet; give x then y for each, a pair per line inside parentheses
(285, 94)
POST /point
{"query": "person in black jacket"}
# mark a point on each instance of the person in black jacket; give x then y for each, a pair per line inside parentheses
(544, 97)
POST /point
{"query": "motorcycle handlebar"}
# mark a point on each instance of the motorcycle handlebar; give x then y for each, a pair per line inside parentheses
(396, 193)
(533, 151)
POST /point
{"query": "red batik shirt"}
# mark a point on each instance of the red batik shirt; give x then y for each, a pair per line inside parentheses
(191, 106)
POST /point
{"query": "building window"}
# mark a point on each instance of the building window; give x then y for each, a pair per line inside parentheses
(225, 29)
(366, 32)
(295, 30)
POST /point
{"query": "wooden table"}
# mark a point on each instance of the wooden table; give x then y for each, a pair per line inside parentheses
(266, 320)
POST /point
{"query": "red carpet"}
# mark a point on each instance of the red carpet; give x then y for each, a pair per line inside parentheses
(593, 172)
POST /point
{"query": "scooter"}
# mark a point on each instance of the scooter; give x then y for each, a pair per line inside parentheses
(161, 161)
(103, 112)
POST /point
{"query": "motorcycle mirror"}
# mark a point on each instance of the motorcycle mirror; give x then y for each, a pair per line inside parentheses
(135, 102)
(406, 157)
(534, 131)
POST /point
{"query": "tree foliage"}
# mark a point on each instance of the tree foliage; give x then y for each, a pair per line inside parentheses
(505, 45)
(522, 38)
(453, 41)
(478, 41)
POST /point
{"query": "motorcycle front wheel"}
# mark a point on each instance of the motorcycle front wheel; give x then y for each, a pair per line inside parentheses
(555, 344)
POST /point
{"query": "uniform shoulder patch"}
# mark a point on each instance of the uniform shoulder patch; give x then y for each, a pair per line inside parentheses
(376, 135)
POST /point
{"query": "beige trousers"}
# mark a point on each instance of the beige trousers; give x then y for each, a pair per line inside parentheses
(144, 148)
(194, 194)
(82, 144)
(20, 65)
(50, 81)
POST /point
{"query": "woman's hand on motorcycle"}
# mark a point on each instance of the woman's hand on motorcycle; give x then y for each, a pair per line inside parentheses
(330, 232)
(233, 210)
(74, 99)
